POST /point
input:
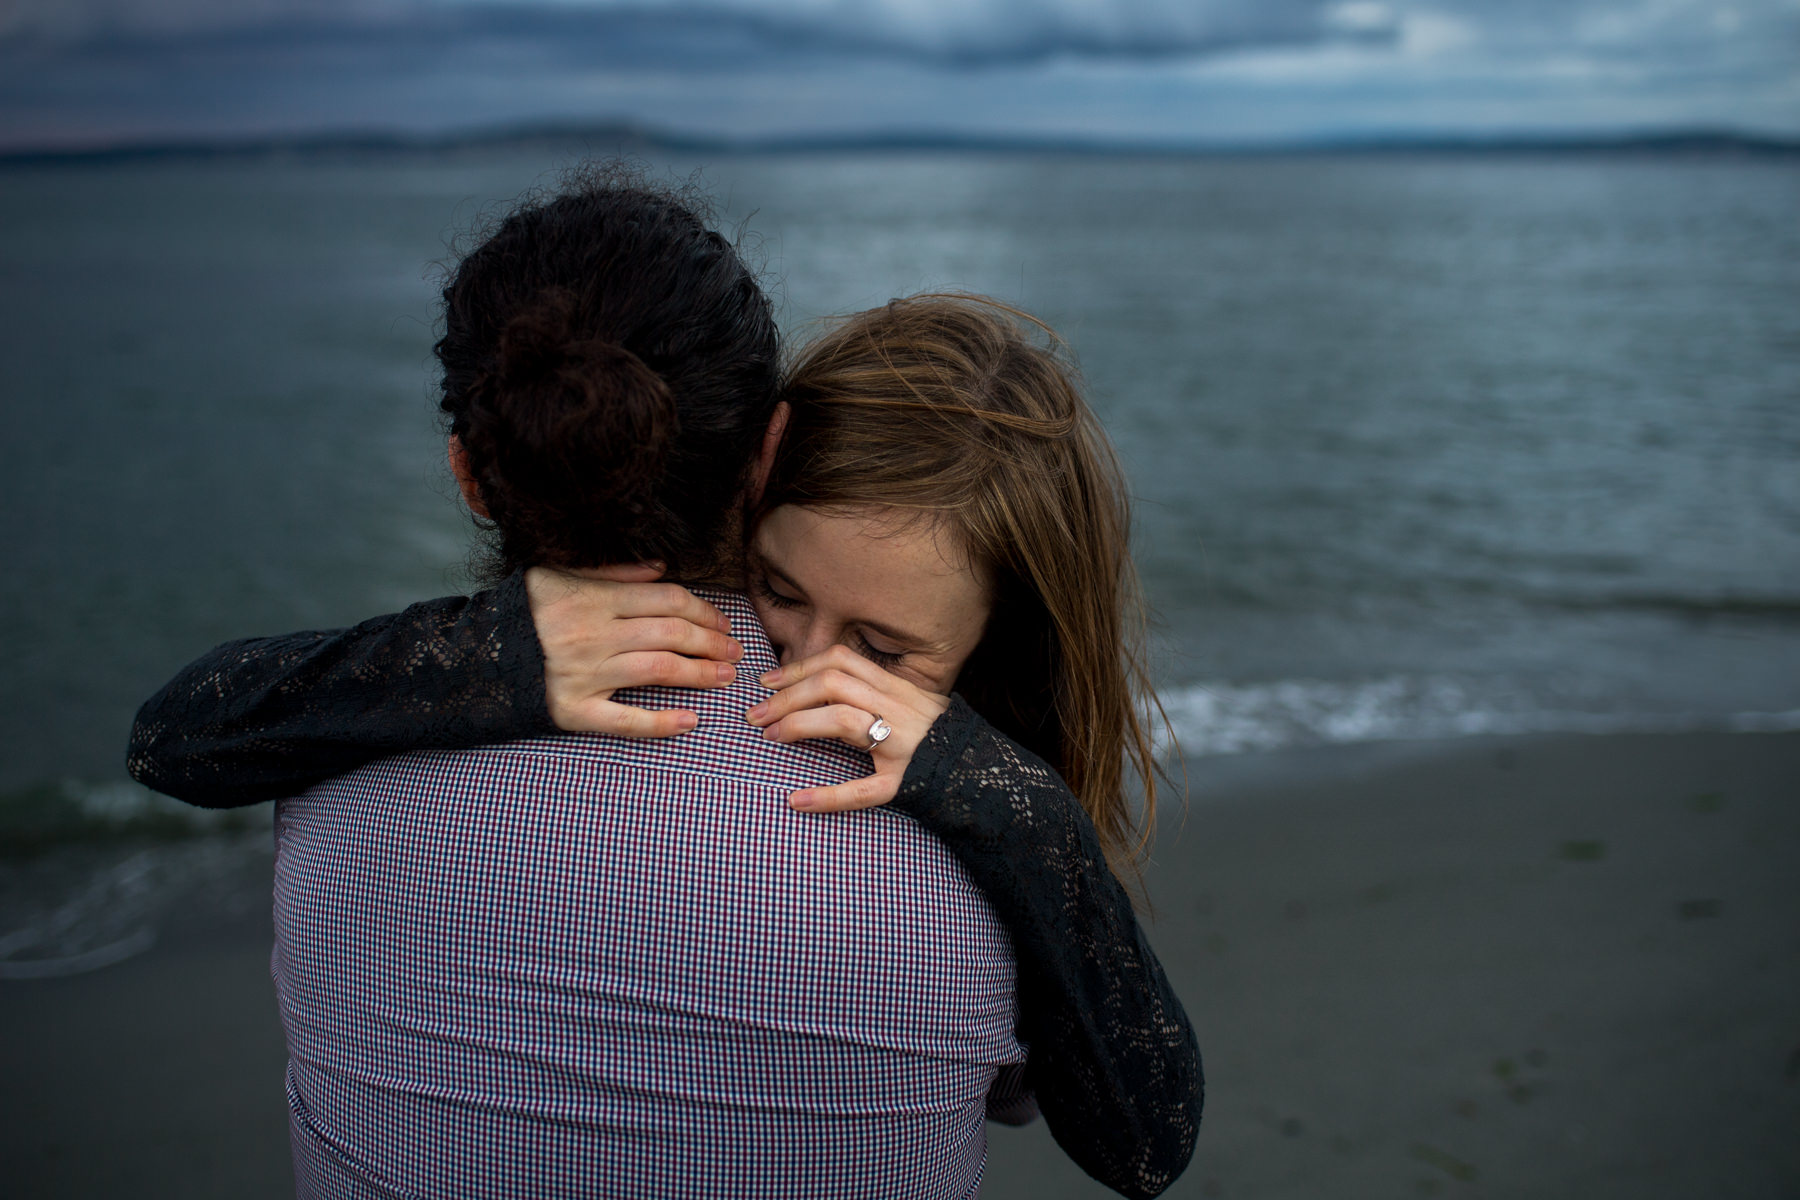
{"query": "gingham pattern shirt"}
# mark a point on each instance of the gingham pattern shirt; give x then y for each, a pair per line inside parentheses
(584, 966)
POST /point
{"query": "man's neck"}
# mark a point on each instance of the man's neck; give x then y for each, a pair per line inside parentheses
(728, 577)
(725, 568)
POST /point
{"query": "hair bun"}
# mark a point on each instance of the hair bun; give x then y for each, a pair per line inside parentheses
(537, 342)
(544, 340)
(573, 431)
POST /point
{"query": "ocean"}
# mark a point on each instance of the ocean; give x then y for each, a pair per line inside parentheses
(1424, 446)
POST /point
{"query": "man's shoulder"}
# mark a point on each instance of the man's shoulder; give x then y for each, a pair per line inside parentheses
(724, 744)
(694, 830)
(723, 751)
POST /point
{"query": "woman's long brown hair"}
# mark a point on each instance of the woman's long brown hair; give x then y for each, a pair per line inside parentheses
(967, 411)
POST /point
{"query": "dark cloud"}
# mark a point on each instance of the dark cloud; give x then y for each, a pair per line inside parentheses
(966, 32)
(1180, 71)
(62, 22)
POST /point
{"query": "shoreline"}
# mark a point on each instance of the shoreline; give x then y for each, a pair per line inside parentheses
(1549, 965)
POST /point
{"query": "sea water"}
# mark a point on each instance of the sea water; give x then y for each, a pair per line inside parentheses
(1422, 446)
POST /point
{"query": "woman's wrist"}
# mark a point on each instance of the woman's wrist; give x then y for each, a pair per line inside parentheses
(927, 780)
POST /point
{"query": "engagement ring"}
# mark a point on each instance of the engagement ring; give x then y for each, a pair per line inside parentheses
(879, 732)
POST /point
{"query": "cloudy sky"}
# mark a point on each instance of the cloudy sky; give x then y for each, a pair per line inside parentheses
(1194, 72)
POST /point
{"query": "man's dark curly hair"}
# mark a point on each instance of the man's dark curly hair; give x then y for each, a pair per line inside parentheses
(610, 365)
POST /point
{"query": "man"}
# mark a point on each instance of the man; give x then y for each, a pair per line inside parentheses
(586, 965)
(594, 966)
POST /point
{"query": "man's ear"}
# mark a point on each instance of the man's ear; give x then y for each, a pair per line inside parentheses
(765, 458)
(465, 478)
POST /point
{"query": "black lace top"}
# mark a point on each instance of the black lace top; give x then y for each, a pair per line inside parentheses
(1113, 1060)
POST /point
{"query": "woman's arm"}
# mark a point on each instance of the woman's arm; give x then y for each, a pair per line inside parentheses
(1113, 1061)
(263, 718)
(545, 650)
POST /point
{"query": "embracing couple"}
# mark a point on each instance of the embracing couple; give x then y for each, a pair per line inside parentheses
(776, 884)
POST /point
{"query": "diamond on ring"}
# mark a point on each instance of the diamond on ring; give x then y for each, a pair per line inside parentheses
(879, 732)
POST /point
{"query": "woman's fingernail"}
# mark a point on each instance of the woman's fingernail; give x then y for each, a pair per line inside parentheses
(724, 672)
(768, 678)
(756, 714)
(801, 800)
(772, 731)
(687, 721)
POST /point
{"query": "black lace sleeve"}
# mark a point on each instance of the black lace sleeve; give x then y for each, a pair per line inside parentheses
(1113, 1060)
(269, 717)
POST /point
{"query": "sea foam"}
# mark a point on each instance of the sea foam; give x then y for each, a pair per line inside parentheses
(1212, 718)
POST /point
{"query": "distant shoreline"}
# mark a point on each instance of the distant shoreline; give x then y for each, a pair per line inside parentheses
(1698, 144)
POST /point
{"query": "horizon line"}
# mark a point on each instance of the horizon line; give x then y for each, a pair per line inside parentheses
(626, 135)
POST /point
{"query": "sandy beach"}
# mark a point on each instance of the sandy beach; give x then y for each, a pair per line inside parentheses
(1519, 967)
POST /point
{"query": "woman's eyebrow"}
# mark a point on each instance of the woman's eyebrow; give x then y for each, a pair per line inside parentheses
(889, 632)
(769, 568)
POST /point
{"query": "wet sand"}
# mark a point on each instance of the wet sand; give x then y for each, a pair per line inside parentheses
(1556, 967)
(1504, 968)
(159, 1076)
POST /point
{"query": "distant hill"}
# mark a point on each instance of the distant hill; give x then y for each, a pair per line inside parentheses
(612, 137)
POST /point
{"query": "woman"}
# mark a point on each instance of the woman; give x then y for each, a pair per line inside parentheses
(940, 416)
(1040, 639)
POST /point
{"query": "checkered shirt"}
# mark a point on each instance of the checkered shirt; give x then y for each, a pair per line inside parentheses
(586, 966)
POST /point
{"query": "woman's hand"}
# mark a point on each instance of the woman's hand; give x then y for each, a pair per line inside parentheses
(607, 628)
(838, 694)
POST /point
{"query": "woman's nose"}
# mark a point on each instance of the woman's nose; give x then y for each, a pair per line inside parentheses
(816, 640)
(812, 639)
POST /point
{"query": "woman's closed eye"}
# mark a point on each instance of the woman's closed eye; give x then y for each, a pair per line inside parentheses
(767, 591)
(885, 659)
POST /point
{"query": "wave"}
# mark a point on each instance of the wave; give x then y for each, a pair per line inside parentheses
(125, 861)
(1216, 718)
(49, 814)
(91, 907)
(129, 946)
